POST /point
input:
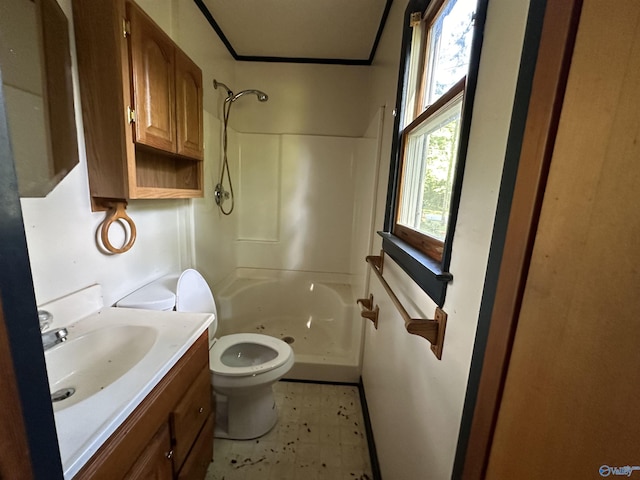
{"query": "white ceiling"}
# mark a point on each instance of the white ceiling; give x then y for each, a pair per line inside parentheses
(321, 30)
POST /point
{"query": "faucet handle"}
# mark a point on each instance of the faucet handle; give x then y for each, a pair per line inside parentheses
(61, 334)
(45, 319)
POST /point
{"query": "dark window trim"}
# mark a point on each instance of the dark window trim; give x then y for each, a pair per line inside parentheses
(321, 61)
(424, 270)
(430, 275)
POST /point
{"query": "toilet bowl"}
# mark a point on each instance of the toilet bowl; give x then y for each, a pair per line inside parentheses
(244, 366)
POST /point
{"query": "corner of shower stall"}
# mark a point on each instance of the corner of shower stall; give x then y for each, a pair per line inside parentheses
(314, 312)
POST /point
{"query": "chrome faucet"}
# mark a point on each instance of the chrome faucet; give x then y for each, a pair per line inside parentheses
(54, 337)
(44, 318)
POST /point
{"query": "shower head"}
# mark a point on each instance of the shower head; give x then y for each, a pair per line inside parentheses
(262, 97)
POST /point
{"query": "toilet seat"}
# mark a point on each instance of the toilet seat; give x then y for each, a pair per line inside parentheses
(282, 349)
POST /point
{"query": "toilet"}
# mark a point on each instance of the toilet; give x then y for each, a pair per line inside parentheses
(244, 366)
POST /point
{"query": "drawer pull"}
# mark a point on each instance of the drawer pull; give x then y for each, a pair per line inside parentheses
(200, 410)
(170, 454)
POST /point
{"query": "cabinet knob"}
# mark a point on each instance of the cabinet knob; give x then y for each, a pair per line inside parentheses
(170, 454)
(200, 410)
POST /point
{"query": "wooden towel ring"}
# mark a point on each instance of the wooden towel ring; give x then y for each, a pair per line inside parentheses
(118, 213)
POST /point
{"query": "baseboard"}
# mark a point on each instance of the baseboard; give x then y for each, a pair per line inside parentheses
(373, 454)
(320, 382)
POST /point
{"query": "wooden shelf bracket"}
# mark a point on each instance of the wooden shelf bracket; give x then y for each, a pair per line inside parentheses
(368, 311)
(431, 329)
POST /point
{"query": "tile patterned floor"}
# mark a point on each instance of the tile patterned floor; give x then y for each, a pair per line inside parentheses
(320, 435)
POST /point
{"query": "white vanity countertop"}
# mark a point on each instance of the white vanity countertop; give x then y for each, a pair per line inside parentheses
(83, 427)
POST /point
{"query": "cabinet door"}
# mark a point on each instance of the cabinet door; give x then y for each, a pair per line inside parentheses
(155, 461)
(189, 107)
(153, 78)
(189, 415)
(200, 456)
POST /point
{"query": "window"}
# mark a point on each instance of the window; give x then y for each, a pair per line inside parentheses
(437, 80)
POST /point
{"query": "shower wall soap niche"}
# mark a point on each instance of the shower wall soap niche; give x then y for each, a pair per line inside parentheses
(141, 104)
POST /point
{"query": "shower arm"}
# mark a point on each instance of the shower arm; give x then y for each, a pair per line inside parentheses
(231, 97)
(216, 84)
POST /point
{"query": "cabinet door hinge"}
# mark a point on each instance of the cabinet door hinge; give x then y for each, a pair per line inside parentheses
(126, 27)
(131, 114)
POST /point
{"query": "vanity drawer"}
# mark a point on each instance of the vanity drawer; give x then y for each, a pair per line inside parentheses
(201, 454)
(189, 415)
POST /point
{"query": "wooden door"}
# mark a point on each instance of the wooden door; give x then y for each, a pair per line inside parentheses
(155, 462)
(15, 457)
(153, 71)
(189, 107)
(571, 396)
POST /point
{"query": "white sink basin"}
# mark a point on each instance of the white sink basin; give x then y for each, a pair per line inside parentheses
(113, 357)
(83, 366)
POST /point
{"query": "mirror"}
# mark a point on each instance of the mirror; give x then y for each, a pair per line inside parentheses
(38, 90)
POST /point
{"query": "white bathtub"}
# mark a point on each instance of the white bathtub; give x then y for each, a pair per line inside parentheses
(315, 313)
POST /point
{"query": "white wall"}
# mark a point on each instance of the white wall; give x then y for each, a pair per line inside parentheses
(64, 257)
(416, 401)
(215, 233)
(303, 99)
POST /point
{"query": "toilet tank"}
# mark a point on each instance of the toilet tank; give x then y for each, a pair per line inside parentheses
(157, 295)
(161, 294)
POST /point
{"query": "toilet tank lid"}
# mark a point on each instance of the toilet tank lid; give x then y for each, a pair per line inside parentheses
(157, 295)
(194, 294)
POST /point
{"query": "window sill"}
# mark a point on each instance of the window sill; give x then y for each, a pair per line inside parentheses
(425, 271)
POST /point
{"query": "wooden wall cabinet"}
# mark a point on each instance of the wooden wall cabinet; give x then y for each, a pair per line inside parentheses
(170, 434)
(141, 103)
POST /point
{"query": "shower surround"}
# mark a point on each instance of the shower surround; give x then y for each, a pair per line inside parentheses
(304, 210)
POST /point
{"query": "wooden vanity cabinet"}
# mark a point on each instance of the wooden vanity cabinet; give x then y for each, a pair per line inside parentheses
(154, 462)
(197, 463)
(141, 102)
(189, 415)
(170, 434)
